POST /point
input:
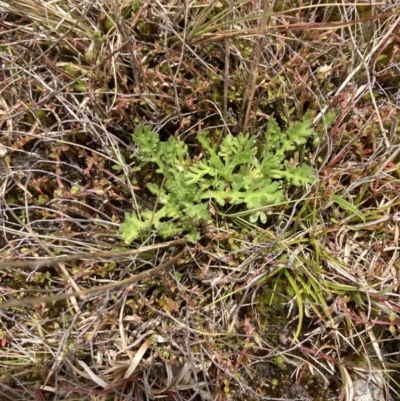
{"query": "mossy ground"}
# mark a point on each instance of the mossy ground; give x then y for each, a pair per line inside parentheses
(299, 306)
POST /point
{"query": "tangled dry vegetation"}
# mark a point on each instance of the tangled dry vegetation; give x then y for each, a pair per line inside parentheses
(298, 307)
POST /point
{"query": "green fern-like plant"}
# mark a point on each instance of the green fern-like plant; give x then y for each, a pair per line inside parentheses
(236, 172)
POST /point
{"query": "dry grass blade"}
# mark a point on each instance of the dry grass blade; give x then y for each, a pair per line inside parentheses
(138, 357)
(96, 379)
(94, 290)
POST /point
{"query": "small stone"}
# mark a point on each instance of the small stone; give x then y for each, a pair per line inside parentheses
(366, 391)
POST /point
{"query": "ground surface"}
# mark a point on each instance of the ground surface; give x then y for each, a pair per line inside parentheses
(257, 260)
